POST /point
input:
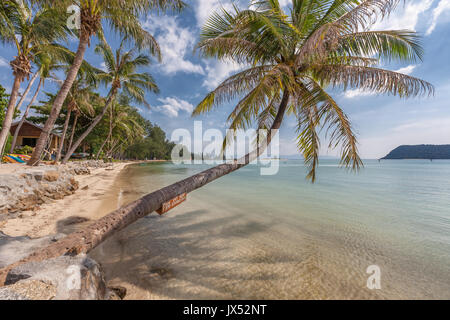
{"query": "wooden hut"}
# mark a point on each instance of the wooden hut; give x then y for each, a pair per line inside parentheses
(30, 133)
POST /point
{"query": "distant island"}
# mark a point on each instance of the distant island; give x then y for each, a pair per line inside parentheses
(424, 151)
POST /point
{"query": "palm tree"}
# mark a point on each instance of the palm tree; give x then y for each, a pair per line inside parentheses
(125, 132)
(122, 75)
(291, 60)
(123, 127)
(123, 17)
(78, 100)
(45, 68)
(31, 34)
(27, 90)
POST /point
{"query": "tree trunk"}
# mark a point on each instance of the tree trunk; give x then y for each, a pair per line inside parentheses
(117, 148)
(60, 98)
(63, 137)
(88, 238)
(114, 144)
(27, 90)
(9, 114)
(74, 128)
(90, 128)
(25, 115)
(103, 145)
(109, 135)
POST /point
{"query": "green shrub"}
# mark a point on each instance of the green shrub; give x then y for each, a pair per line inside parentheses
(24, 150)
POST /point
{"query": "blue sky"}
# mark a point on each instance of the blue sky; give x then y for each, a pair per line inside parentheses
(382, 122)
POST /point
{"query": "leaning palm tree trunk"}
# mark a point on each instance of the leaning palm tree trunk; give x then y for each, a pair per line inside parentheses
(25, 115)
(109, 135)
(63, 137)
(27, 90)
(113, 147)
(9, 113)
(85, 240)
(89, 129)
(74, 127)
(103, 145)
(60, 98)
(116, 149)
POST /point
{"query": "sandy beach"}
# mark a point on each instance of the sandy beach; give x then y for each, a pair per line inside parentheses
(93, 200)
(238, 247)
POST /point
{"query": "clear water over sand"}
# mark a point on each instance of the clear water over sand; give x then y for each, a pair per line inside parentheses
(248, 236)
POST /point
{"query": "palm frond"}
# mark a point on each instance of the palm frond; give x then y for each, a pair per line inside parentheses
(400, 45)
(322, 43)
(373, 79)
(308, 141)
(232, 88)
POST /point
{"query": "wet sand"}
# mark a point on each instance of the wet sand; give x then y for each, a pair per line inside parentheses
(201, 250)
(217, 246)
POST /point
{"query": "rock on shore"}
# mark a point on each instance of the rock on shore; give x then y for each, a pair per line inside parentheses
(66, 277)
(13, 249)
(62, 278)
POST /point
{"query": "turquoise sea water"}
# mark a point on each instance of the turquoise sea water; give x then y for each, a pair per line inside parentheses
(248, 236)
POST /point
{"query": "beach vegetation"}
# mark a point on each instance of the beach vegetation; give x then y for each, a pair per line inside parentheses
(122, 17)
(31, 31)
(121, 76)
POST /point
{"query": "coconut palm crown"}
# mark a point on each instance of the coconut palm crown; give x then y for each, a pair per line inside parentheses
(122, 17)
(291, 59)
(31, 31)
(121, 75)
(121, 72)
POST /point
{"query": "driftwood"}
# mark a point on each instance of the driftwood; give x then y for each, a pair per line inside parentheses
(88, 238)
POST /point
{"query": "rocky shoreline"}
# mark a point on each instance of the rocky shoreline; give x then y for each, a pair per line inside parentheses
(26, 189)
(62, 278)
(31, 187)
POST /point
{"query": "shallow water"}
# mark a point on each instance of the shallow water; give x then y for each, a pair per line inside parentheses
(248, 236)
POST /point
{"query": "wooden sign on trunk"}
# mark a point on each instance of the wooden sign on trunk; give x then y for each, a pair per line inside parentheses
(169, 205)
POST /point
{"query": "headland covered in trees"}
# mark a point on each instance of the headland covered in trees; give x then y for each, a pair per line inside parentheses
(424, 151)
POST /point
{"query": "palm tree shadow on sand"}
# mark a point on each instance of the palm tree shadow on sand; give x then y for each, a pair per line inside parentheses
(196, 255)
(176, 258)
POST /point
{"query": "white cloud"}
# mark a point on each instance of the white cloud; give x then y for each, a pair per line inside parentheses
(176, 44)
(217, 71)
(406, 70)
(172, 106)
(350, 94)
(4, 63)
(443, 6)
(405, 17)
(103, 66)
(285, 3)
(205, 8)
